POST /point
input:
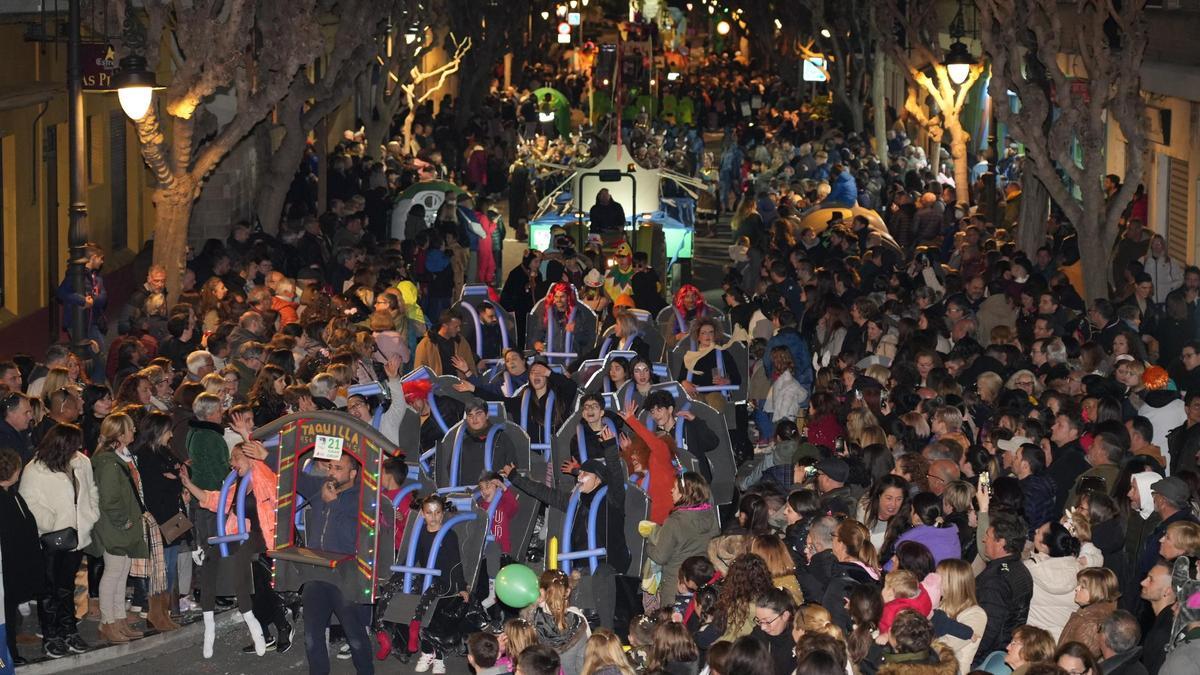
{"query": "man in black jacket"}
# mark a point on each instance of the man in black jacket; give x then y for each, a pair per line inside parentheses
(1158, 590)
(599, 590)
(1005, 587)
(1119, 635)
(1069, 459)
(14, 426)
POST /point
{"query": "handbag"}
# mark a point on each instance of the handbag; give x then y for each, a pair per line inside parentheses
(66, 539)
(174, 528)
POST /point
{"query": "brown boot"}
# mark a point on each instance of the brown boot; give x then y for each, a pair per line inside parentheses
(112, 633)
(128, 630)
(158, 616)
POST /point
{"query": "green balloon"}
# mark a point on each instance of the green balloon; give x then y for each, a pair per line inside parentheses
(517, 586)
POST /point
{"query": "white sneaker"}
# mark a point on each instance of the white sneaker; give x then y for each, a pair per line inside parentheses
(26, 608)
(188, 605)
(428, 660)
(344, 652)
(439, 667)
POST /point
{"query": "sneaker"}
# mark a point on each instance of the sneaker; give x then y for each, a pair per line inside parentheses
(186, 604)
(426, 661)
(76, 644)
(249, 649)
(26, 608)
(56, 648)
(344, 652)
(284, 642)
(439, 667)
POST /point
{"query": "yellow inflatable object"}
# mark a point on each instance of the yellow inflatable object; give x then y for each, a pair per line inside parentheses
(552, 553)
(819, 220)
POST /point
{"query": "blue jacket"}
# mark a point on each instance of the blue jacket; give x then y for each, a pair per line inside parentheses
(331, 526)
(843, 190)
(791, 338)
(93, 285)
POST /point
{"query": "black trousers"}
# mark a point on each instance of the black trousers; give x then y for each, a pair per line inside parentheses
(267, 607)
(95, 565)
(321, 601)
(56, 606)
(12, 619)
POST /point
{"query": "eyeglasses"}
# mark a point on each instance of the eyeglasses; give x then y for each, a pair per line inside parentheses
(767, 622)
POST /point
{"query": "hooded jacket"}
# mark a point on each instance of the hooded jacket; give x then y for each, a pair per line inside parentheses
(1053, 601)
(685, 533)
(55, 505)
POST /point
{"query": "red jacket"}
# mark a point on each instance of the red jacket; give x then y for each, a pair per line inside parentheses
(502, 520)
(661, 468)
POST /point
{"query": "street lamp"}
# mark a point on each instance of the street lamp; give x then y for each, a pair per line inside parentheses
(958, 62)
(135, 85)
(723, 27)
(826, 34)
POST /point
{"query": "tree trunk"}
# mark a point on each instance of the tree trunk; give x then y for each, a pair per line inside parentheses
(958, 152)
(277, 180)
(172, 214)
(1035, 207)
(855, 104)
(879, 107)
(1093, 250)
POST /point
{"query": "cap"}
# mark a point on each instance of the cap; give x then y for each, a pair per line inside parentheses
(593, 279)
(595, 239)
(593, 466)
(1013, 444)
(475, 403)
(835, 468)
(1173, 490)
(835, 219)
(308, 274)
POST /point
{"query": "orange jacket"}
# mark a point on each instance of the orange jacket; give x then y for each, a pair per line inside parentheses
(661, 467)
(262, 491)
(288, 312)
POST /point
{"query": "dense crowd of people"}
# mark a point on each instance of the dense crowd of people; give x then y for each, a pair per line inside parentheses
(946, 460)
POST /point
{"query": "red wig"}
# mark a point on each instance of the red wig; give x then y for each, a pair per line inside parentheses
(417, 389)
(549, 303)
(681, 300)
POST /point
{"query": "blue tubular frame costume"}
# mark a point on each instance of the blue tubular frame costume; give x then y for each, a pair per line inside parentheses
(543, 446)
(592, 553)
(224, 538)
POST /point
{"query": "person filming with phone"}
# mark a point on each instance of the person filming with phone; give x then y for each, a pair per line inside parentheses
(332, 490)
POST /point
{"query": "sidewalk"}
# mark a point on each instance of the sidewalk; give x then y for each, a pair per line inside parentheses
(105, 656)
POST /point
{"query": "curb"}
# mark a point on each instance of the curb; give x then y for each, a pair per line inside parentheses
(131, 652)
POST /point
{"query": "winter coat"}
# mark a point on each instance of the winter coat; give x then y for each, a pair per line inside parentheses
(120, 529)
(942, 542)
(964, 650)
(24, 571)
(570, 641)
(209, 454)
(55, 504)
(785, 398)
(684, 534)
(1004, 589)
(1084, 625)
(428, 354)
(1166, 273)
(161, 494)
(843, 191)
(1053, 599)
(939, 660)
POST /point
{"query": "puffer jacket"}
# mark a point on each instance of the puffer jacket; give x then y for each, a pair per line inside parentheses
(54, 503)
(685, 533)
(1053, 599)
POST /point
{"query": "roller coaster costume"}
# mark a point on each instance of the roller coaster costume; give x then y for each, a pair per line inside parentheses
(597, 590)
(566, 332)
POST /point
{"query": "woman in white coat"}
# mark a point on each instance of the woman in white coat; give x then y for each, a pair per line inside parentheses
(959, 603)
(786, 397)
(58, 487)
(1054, 566)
